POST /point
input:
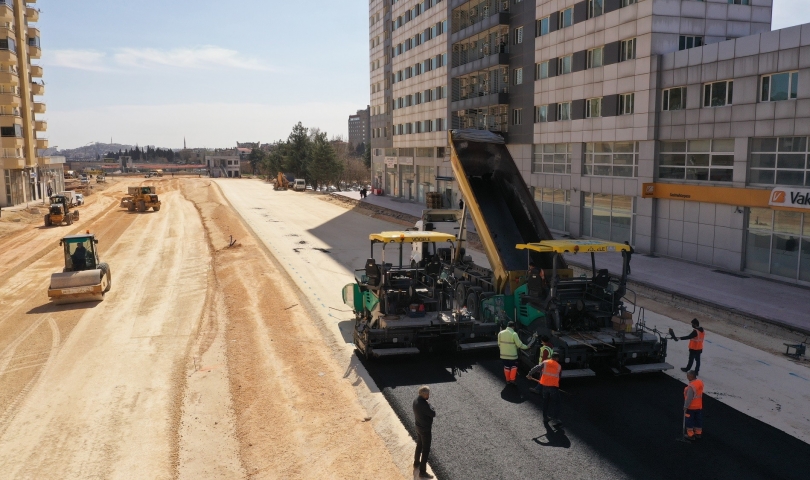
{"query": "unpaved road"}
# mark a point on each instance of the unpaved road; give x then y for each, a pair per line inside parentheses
(190, 368)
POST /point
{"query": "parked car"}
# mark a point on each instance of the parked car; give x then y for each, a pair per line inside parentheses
(78, 199)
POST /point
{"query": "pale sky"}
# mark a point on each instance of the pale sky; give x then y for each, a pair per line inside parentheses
(215, 72)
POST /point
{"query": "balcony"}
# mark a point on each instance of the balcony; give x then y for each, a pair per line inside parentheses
(39, 107)
(8, 56)
(6, 13)
(12, 142)
(42, 143)
(9, 78)
(33, 32)
(41, 126)
(12, 163)
(32, 14)
(10, 120)
(37, 88)
(34, 52)
(9, 100)
(36, 71)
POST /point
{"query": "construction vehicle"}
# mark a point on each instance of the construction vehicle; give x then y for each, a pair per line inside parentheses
(84, 278)
(401, 310)
(101, 179)
(59, 212)
(284, 181)
(141, 199)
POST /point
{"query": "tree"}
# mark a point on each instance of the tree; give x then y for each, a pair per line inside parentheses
(324, 166)
(297, 151)
(255, 158)
(367, 156)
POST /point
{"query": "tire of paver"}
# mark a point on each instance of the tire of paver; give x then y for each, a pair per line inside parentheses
(141, 206)
(69, 219)
(461, 294)
(474, 301)
(47, 220)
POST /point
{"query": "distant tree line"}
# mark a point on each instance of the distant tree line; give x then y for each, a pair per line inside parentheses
(144, 155)
(308, 153)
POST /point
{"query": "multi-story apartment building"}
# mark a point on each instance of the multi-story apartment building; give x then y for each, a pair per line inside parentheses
(681, 126)
(360, 127)
(26, 173)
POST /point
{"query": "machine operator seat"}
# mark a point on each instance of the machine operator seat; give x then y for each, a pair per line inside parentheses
(373, 273)
(602, 278)
(536, 286)
(434, 268)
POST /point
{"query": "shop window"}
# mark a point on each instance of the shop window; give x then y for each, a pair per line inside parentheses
(778, 243)
(779, 161)
(611, 159)
(551, 158)
(555, 205)
(609, 217)
(698, 160)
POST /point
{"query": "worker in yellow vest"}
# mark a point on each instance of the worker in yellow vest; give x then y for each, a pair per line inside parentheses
(693, 406)
(509, 343)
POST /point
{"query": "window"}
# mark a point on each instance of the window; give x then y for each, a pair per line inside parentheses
(564, 111)
(427, 96)
(417, 69)
(778, 243)
(689, 41)
(611, 159)
(566, 18)
(627, 50)
(780, 86)
(518, 35)
(595, 57)
(541, 70)
(609, 217)
(739, 2)
(718, 94)
(699, 160)
(593, 107)
(517, 115)
(627, 103)
(417, 98)
(675, 98)
(408, 100)
(595, 8)
(779, 161)
(541, 114)
(554, 205)
(627, 3)
(551, 158)
(564, 65)
(518, 76)
(541, 27)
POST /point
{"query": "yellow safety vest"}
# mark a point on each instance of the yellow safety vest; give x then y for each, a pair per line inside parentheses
(546, 348)
(509, 342)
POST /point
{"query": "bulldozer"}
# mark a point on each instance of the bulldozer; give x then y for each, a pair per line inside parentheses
(59, 212)
(84, 278)
(141, 199)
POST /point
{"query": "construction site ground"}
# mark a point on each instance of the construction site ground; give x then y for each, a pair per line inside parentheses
(224, 350)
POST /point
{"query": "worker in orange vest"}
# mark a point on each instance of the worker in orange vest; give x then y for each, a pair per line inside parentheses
(550, 383)
(695, 345)
(693, 406)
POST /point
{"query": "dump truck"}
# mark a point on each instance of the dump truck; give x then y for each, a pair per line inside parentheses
(141, 199)
(284, 181)
(401, 310)
(588, 319)
(84, 278)
(59, 212)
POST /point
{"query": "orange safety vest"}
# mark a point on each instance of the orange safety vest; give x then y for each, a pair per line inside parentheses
(551, 374)
(697, 342)
(697, 400)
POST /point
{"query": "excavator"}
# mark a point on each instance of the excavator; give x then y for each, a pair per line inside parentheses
(284, 181)
(84, 278)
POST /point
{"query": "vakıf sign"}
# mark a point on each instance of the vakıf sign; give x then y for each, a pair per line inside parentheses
(790, 197)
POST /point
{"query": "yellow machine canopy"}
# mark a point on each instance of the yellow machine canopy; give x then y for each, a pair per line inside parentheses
(574, 246)
(411, 237)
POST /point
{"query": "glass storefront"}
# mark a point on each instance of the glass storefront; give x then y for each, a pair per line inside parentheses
(426, 177)
(778, 243)
(555, 205)
(391, 181)
(609, 217)
(407, 182)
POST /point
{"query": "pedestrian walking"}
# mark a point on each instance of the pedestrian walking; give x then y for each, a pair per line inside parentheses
(546, 351)
(50, 191)
(508, 343)
(423, 413)
(550, 383)
(696, 339)
(693, 407)
(461, 204)
(629, 255)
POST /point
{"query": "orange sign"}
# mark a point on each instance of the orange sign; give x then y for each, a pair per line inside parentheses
(742, 197)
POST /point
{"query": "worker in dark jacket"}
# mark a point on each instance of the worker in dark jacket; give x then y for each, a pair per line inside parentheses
(695, 345)
(424, 414)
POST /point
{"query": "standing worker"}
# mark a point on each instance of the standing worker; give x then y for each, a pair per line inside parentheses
(695, 346)
(629, 255)
(509, 342)
(424, 414)
(546, 351)
(693, 406)
(550, 383)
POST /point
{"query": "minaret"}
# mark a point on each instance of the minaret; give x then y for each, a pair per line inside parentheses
(184, 143)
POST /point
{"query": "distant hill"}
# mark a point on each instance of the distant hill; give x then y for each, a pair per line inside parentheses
(89, 152)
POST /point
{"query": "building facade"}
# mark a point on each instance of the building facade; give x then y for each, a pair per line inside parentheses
(25, 171)
(680, 126)
(360, 127)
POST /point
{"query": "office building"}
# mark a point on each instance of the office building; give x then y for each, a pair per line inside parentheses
(360, 127)
(26, 173)
(680, 126)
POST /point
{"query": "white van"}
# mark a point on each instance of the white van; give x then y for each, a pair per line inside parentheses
(300, 185)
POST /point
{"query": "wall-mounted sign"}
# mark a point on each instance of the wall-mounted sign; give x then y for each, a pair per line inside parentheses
(390, 161)
(405, 160)
(790, 198)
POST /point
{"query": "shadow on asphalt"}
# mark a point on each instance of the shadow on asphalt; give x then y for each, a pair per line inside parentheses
(614, 427)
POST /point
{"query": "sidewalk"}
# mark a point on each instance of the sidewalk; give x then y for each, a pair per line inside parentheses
(771, 301)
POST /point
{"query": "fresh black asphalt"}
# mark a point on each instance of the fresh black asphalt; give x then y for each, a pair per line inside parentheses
(613, 427)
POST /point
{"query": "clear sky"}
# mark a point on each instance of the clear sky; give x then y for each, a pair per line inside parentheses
(152, 72)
